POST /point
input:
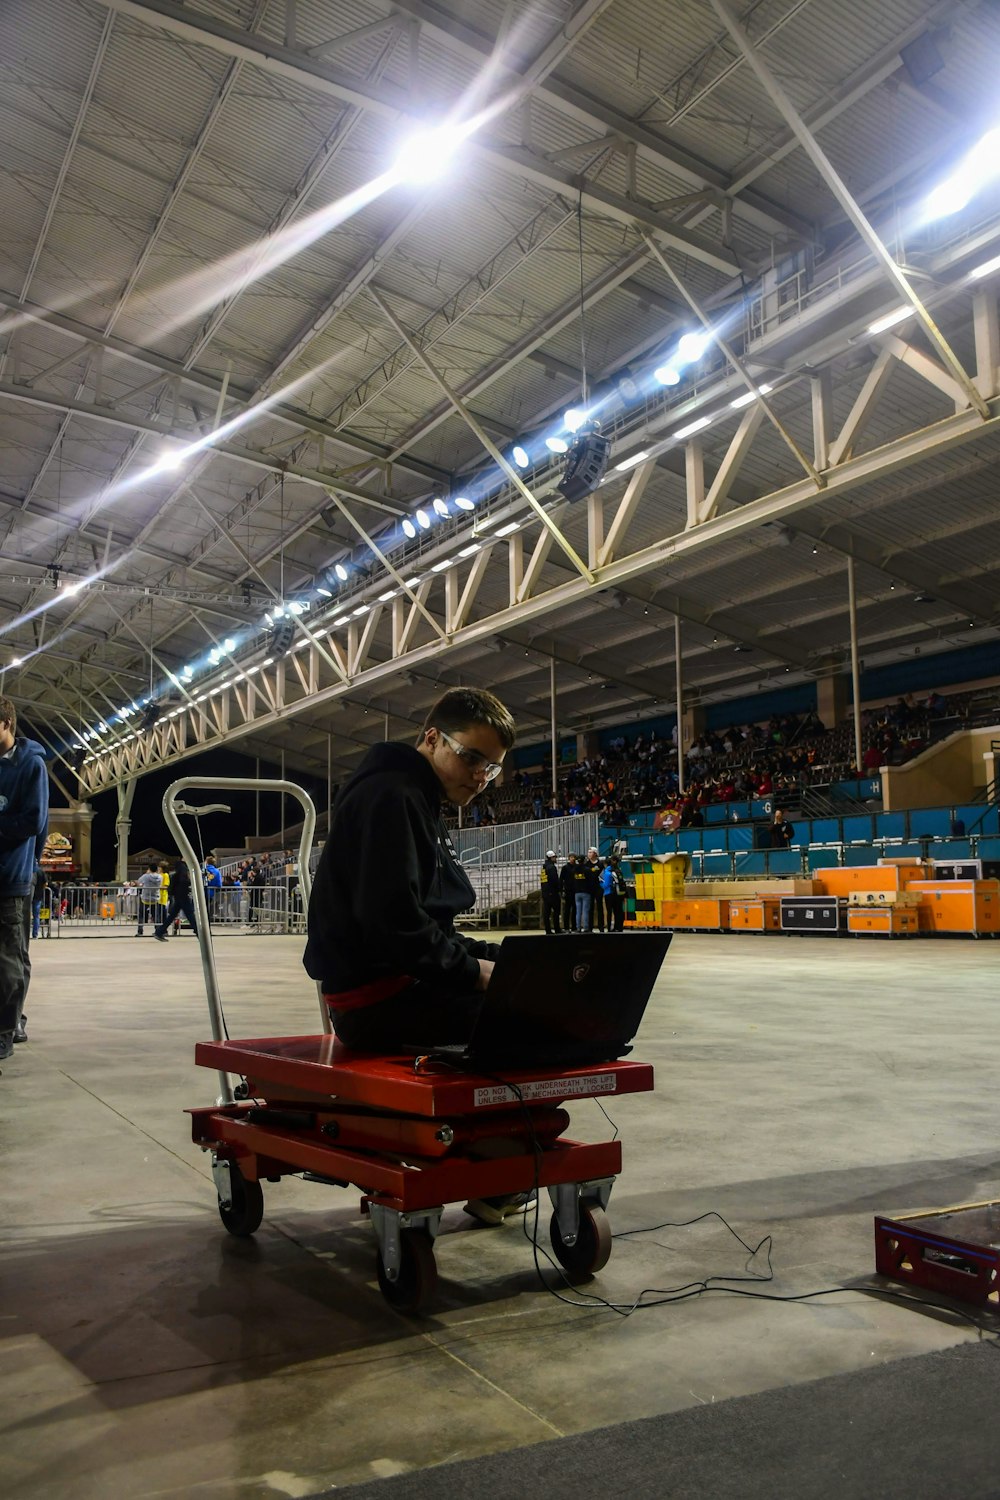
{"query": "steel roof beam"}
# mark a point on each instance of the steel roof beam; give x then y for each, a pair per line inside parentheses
(396, 103)
(149, 359)
(457, 35)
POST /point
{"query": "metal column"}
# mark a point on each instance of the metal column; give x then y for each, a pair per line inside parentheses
(680, 703)
(852, 604)
(552, 728)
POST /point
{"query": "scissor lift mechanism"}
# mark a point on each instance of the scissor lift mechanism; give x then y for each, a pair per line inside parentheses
(413, 1136)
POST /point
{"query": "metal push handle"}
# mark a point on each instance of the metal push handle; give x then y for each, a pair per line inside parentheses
(171, 810)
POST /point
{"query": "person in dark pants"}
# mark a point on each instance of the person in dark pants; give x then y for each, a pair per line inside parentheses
(615, 897)
(24, 817)
(567, 890)
(255, 880)
(782, 833)
(382, 944)
(550, 894)
(181, 904)
(596, 894)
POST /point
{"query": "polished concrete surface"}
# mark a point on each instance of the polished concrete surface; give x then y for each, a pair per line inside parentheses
(802, 1086)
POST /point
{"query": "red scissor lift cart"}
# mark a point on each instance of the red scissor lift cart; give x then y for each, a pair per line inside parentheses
(413, 1136)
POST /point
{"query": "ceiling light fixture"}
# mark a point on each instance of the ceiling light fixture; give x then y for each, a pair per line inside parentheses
(520, 456)
(667, 375)
(464, 503)
(692, 346)
(630, 463)
(748, 396)
(890, 320)
(423, 520)
(557, 445)
(986, 269)
(409, 529)
(683, 432)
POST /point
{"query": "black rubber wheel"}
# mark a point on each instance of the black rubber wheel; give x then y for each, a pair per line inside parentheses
(417, 1280)
(592, 1250)
(243, 1216)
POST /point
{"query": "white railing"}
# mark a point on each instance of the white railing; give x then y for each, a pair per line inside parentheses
(520, 843)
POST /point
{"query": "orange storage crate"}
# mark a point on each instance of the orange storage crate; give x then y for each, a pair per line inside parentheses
(958, 905)
(842, 880)
(756, 914)
(890, 921)
(705, 913)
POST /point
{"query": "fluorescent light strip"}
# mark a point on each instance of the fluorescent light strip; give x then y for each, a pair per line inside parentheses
(748, 396)
(630, 463)
(511, 526)
(890, 320)
(683, 432)
(986, 269)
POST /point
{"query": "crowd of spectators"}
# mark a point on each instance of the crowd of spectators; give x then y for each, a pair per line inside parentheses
(777, 759)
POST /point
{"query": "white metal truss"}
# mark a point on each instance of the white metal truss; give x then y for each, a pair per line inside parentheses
(256, 697)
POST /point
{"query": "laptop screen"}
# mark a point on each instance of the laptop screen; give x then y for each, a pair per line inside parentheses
(573, 989)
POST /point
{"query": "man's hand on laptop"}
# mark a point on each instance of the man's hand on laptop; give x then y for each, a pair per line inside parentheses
(485, 973)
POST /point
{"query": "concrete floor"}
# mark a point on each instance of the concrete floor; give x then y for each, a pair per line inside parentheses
(802, 1086)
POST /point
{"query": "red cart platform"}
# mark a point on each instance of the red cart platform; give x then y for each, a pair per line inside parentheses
(413, 1135)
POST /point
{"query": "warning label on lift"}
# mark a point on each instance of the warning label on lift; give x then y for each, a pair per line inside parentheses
(547, 1088)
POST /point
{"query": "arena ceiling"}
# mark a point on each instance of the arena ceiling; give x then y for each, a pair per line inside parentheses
(248, 329)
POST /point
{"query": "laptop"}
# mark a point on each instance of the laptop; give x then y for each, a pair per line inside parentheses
(568, 1001)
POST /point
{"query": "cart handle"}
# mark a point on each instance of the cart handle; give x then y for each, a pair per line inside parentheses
(171, 809)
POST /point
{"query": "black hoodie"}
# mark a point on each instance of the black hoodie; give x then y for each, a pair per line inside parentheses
(389, 886)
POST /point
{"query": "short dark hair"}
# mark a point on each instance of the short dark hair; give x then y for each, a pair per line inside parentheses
(460, 708)
(8, 714)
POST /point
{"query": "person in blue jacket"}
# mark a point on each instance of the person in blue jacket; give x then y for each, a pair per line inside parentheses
(24, 820)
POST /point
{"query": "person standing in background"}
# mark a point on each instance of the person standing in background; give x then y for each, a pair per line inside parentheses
(550, 894)
(149, 884)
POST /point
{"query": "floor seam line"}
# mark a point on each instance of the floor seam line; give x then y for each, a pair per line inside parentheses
(478, 1375)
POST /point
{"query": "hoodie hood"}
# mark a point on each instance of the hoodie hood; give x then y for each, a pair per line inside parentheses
(394, 755)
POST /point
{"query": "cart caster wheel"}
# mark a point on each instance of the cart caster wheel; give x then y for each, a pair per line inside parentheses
(417, 1280)
(592, 1250)
(244, 1214)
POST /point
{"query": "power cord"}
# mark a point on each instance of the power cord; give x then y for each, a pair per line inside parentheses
(651, 1297)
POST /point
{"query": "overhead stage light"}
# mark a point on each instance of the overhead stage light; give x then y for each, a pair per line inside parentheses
(692, 346)
(520, 456)
(423, 520)
(464, 503)
(441, 506)
(666, 375)
(574, 418)
(427, 153)
(556, 445)
(340, 571)
(409, 529)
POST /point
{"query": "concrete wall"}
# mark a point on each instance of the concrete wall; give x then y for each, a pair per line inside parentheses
(952, 771)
